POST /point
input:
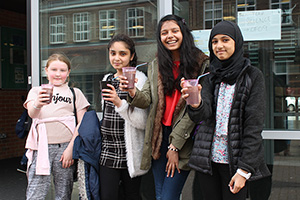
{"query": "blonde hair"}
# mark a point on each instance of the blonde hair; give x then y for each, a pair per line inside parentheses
(59, 56)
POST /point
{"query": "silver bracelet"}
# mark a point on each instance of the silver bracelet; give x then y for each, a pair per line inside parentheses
(169, 147)
(36, 107)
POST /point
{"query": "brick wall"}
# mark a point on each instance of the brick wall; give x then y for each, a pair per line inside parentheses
(10, 108)
(12, 19)
(11, 100)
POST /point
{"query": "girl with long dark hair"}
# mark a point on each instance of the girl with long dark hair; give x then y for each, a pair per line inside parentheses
(168, 140)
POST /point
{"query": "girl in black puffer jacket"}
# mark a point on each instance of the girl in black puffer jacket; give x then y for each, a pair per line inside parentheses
(228, 146)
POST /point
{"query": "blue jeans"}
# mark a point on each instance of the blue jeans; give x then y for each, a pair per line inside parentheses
(167, 188)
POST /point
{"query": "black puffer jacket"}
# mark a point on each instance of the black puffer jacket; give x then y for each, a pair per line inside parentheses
(245, 125)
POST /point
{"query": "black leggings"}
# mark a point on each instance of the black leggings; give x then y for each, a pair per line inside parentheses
(216, 187)
(110, 180)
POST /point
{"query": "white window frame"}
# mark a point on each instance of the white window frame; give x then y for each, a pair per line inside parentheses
(135, 29)
(109, 28)
(165, 7)
(212, 11)
(81, 28)
(59, 25)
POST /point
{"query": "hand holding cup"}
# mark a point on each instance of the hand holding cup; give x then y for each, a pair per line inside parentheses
(44, 96)
(124, 85)
(48, 90)
(191, 92)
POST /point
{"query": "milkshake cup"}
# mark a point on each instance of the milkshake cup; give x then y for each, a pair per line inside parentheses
(192, 85)
(49, 91)
(129, 72)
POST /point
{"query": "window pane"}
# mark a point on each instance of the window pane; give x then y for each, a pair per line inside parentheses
(102, 15)
(218, 5)
(208, 15)
(111, 14)
(140, 22)
(140, 12)
(218, 14)
(110, 33)
(251, 2)
(208, 24)
(59, 20)
(131, 13)
(208, 5)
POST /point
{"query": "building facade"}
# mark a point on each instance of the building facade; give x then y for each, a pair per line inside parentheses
(81, 29)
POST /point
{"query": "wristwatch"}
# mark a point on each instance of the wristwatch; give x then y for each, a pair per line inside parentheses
(243, 174)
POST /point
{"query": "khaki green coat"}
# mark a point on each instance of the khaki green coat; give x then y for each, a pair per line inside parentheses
(182, 125)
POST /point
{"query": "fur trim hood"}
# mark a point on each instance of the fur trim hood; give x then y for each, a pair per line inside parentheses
(157, 127)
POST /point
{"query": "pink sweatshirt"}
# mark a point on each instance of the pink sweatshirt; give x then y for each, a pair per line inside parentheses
(37, 140)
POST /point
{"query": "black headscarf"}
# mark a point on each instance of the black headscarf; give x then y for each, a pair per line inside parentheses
(228, 70)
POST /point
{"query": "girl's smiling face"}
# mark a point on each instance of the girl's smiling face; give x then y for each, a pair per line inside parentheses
(171, 35)
(57, 72)
(223, 46)
(119, 55)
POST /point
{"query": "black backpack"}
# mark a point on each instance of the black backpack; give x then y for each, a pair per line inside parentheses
(23, 125)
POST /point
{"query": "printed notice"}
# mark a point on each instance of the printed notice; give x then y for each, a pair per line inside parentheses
(260, 25)
(19, 75)
(201, 38)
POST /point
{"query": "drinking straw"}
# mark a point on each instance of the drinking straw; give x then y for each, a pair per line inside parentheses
(140, 65)
(202, 76)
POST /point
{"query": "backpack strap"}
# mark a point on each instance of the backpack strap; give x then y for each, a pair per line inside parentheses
(74, 106)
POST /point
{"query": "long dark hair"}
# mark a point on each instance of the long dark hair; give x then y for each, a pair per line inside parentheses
(189, 56)
(129, 44)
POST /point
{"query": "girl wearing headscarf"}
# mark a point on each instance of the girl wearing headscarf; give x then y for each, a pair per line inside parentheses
(228, 147)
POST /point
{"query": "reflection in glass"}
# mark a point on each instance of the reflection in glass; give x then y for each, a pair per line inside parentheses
(279, 60)
(82, 31)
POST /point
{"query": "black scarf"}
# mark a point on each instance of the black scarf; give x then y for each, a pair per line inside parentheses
(228, 70)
